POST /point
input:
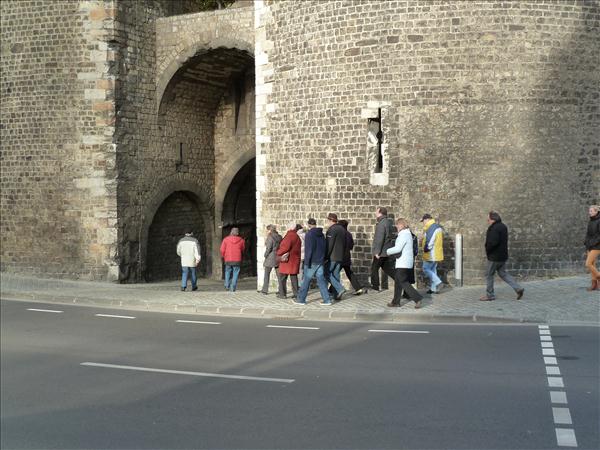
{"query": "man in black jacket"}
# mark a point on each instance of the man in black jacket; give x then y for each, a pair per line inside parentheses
(336, 247)
(385, 234)
(496, 249)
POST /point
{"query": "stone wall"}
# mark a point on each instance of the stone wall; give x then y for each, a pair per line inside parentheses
(488, 105)
(58, 213)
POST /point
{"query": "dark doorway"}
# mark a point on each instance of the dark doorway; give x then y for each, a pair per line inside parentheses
(239, 210)
(176, 215)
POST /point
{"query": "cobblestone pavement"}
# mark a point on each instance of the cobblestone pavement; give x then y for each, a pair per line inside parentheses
(556, 301)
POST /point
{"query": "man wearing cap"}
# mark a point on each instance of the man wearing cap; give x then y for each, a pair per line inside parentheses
(336, 247)
(433, 251)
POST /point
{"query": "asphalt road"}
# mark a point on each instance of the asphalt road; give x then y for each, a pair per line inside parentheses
(154, 382)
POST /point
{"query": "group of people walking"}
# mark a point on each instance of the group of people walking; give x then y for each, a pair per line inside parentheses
(322, 256)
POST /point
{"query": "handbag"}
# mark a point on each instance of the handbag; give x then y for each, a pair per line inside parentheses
(283, 258)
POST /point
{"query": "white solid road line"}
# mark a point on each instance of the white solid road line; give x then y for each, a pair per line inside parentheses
(198, 321)
(185, 372)
(295, 328)
(45, 310)
(114, 316)
(398, 331)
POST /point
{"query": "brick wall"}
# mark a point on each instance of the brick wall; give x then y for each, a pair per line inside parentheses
(490, 105)
(58, 213)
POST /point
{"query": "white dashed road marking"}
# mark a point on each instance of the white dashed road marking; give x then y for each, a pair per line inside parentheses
(296, 328)
(114, 316)
(198, 321)
(562, 416)
(185, 372)
(565, 437)
(45, 310)
(398, 331)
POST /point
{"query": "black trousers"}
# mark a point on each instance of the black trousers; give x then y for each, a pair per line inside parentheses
(386, 264)
(402, 284)
(283, 284)
(352, 277)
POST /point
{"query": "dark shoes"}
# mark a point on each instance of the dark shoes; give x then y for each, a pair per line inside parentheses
(429, 291)
(485, 298)
(182, 289)
(520, 293)
(283, 297)
(595, 286)
(341, 295)
(418, 304)
(195, 288)
(361, 291)
(393, 305)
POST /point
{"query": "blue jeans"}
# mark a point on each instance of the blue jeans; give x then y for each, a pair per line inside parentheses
(228, 276)
(430, 269)
(315, 270)
(184, 276)
(333, 276)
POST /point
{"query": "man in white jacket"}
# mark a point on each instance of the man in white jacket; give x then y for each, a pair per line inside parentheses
(188, 249)
(403, 249)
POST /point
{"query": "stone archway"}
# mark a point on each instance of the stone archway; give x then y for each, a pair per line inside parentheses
(176, 206)
(177, 215)
(239, 210)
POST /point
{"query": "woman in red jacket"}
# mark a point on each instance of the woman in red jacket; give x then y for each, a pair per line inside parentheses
(232, 249)
(289, 254)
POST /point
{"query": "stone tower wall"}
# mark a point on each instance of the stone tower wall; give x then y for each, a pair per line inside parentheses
(59, 210)
(485, 105)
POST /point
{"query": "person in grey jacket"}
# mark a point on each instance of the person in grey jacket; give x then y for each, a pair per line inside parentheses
(384, 237)
(271, 245)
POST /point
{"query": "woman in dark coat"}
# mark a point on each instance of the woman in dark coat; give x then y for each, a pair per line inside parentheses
(291, 246)
(592, 246)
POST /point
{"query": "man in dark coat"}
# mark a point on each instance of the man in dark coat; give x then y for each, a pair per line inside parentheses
(314, 260)
(592, 246)
(385, 235)
(336, 247)
(347, 264)
(496, 249)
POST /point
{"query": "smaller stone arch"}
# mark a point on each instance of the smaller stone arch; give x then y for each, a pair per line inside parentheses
(204, 206)
(193, 50)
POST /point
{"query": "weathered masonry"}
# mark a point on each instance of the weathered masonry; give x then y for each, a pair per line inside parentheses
(125, 123)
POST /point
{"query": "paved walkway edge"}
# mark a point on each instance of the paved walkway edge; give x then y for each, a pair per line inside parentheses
(327, 313)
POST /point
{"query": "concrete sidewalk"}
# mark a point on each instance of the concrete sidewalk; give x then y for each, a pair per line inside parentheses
(558, 301)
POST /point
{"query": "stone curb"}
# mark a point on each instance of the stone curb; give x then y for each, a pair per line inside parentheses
(322, 314)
